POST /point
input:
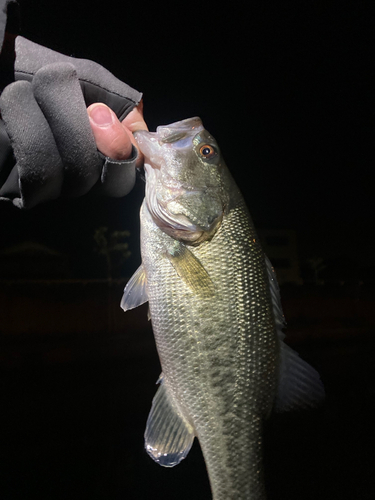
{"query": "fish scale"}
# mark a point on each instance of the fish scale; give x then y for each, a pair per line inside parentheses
(232, 393)
(216, 315)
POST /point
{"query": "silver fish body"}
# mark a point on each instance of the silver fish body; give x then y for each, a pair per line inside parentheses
(215, 314)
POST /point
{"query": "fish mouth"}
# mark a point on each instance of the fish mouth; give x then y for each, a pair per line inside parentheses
(176, 207)
(180, 134)
(173, 223)
(182, 129)
(179, 227)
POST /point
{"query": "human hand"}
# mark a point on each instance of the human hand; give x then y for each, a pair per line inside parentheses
(45, 117)
(113, 138)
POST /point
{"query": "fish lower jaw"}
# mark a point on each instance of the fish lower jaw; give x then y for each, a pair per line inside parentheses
(185, 235)
(186, 231)
(176, 226)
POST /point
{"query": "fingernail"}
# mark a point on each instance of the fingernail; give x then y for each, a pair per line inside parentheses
(101, 116)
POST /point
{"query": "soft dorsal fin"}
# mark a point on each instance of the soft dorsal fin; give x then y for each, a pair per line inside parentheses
(135, 291)
(168, 435)
(299, 384)
(190, 270)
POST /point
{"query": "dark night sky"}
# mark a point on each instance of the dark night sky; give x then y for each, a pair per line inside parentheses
(287, 89)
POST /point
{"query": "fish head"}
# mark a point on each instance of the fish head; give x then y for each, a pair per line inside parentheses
(185, 179)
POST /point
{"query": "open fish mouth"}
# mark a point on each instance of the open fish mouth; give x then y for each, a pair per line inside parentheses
(179, 134)
(182, 203)
(168, 214)
(168, 134)
(177, 131)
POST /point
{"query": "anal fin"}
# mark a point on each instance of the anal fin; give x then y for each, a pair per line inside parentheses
(168, 435)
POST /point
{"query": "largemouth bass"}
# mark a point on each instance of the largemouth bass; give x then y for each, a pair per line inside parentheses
(216, 315)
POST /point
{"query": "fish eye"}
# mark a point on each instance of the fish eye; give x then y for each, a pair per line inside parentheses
(207, 151)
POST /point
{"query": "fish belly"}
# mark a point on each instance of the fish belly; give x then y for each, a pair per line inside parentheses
(218, 353)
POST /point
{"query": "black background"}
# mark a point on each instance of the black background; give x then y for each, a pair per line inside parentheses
(287, 89)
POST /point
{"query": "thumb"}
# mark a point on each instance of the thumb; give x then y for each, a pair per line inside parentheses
(111, 137)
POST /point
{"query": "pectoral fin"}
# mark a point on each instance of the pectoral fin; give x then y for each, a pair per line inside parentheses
(191, 270)
(135, 291)
(168, 436)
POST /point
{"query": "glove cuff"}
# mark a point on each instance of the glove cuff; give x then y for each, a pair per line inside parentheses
(118, 176)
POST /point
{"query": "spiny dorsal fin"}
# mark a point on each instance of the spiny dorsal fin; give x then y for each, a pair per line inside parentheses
(276, 300)
(135, 291)
(190, 270)
(299, 384)
(168, 435)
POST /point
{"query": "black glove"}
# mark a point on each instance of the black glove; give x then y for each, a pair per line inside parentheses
(44, 114)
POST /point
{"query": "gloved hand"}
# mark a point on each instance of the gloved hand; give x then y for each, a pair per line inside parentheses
(44, 115)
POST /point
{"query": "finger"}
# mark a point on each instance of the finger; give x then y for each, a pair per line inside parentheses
(6, 157)
(111, 137)
(39, 164)
(98, 84)
(58, 92)
(134, 121)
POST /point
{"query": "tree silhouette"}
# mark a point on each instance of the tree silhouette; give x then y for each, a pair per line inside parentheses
(113, 247)
(316, 264)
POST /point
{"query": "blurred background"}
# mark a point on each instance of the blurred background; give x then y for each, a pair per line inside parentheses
(286, 88)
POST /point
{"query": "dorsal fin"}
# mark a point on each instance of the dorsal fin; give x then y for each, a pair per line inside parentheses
(276, 300)
(299, 384)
